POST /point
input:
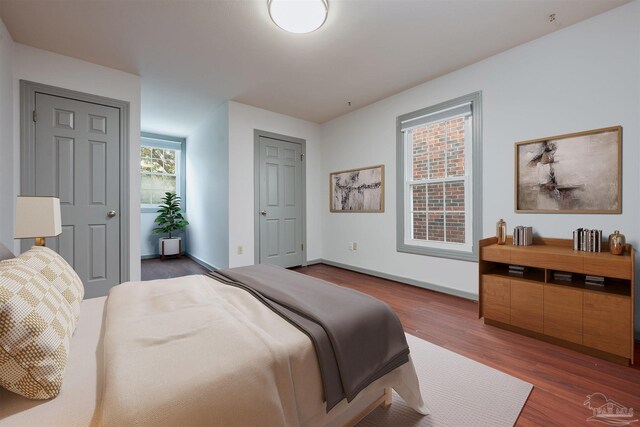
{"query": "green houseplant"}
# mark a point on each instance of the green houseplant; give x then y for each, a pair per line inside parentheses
(170, 220)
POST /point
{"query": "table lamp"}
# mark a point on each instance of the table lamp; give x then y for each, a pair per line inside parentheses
(37, 217)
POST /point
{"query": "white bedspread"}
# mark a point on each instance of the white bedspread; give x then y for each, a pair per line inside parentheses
(192, 351)
(184, 353)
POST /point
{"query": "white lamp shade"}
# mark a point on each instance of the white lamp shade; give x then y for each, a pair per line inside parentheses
(37, 217)
(298, 16)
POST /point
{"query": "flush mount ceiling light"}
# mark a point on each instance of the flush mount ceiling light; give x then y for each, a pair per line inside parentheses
(298, 16)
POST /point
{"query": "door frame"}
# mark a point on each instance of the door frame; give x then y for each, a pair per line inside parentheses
(257, 134)
(28, 91)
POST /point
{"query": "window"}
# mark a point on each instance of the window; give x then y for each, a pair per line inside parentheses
(161, 169)
(439, 179)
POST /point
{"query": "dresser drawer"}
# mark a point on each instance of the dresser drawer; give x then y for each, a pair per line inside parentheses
(607, 265)
(538, 257)
(496, 253)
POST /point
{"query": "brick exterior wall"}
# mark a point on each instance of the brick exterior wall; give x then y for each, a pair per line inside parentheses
(438, 152)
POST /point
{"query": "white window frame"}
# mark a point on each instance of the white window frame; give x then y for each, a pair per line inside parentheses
(472, 178)
(172, 143)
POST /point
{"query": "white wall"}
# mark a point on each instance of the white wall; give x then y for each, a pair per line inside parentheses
(582, 77)
(243, 119)
(57, 70)
(208, 190)
(7, 159)
(148, 240)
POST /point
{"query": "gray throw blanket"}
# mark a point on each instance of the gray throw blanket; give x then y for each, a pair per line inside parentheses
(357, 338)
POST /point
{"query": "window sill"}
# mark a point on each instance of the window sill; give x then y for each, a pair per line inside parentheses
(459, 255)
(154, 209)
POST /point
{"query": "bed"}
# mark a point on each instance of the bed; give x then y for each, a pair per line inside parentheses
(150, 379)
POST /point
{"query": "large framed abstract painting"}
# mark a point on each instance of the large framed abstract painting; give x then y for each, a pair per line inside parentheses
(357, 190)
(574, 173)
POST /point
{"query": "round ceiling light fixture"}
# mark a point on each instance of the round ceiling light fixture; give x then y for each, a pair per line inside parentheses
(298, 16)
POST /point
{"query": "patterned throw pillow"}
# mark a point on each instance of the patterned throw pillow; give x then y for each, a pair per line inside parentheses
(61, 275)
(36, 325)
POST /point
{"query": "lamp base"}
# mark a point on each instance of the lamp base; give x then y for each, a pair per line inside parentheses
(39, 241)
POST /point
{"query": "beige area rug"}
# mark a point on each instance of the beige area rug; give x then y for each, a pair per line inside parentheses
(459, 392)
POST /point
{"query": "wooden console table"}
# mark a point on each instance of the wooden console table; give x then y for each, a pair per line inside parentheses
(596, 320)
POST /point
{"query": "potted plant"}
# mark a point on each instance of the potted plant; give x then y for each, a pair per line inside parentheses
(170, 220)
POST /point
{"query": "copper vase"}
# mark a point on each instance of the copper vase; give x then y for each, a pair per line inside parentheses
(501, 232)
(617, 243)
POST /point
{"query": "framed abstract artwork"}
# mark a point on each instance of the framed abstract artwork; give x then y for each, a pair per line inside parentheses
(357, 190)
(574, 173)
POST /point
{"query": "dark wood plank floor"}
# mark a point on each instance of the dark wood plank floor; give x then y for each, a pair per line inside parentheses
(562, 378)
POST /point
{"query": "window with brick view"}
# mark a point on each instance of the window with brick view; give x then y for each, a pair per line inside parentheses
(436, 179)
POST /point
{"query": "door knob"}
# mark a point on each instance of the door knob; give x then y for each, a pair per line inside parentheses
(111, 214)
(263, 213)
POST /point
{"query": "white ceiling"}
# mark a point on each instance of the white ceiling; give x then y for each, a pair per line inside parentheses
(193, 55)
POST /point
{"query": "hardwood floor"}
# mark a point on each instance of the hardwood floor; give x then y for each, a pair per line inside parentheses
(562, 378)
(176, 267)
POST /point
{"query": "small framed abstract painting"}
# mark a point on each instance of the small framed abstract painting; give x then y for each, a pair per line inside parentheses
(357, 190)
(574, 173)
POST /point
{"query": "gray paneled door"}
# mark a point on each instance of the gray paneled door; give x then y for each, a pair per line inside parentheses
(280, 196)
(77, 159)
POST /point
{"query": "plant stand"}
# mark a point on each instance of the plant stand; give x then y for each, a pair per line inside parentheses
(178, 255)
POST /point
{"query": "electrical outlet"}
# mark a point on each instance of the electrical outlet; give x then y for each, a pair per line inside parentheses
(354, 245)
(240, 250)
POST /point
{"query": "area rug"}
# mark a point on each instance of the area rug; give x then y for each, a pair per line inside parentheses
(458, 391)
